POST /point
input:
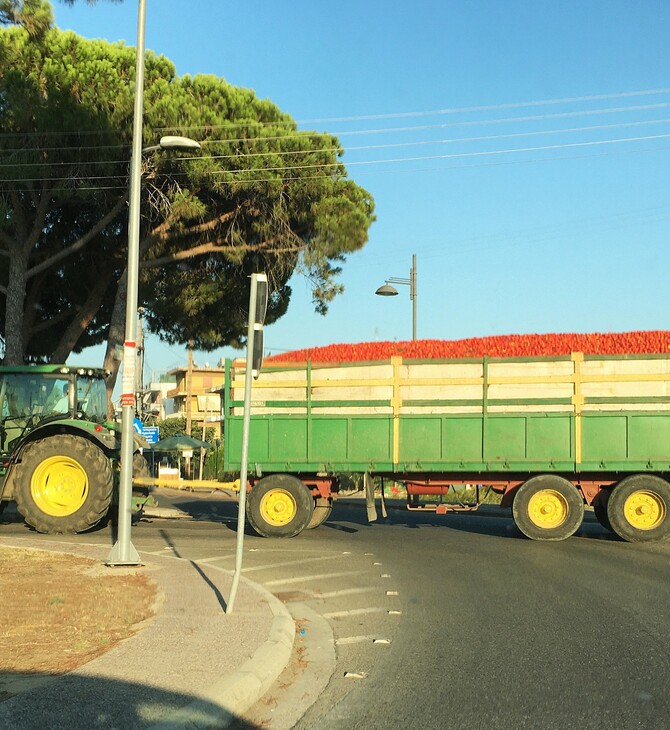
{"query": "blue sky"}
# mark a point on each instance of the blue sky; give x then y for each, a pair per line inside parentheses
(519, 149)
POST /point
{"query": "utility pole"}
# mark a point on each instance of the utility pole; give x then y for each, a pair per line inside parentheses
(189, 387)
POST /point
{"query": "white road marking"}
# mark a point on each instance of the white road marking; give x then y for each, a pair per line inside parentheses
(345, 592)
(214, 559)
(354, 612)
(304, 578)
(270, 566)
(346, 640)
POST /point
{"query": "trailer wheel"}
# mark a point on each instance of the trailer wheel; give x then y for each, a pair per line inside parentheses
(280, 505)
(639, 508)
(548, 507)
(63, 484)
(322, 509)
(600, 509)
(140, 466)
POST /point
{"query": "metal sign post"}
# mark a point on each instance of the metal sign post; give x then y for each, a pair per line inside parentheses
(258, 298)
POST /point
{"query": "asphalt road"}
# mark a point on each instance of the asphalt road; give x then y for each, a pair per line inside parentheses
(459, 622)
(450, 622)
(498, 631)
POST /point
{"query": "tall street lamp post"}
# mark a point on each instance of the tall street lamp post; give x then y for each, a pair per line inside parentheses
(123, 552)
(387, 290)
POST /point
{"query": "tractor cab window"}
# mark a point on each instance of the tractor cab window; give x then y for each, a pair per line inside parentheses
(91, 399)
(59, 398)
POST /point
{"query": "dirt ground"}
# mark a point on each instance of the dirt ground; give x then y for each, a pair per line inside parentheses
(58, 612)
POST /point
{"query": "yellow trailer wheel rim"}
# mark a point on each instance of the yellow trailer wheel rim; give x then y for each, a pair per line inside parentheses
(278, 507)
(59, 486)
(644, 510)
(547, 509)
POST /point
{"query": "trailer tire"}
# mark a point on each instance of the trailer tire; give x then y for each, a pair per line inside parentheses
(639, 508)
(600, 509)
(548, 507)
(63, 484)
(322, 509)
(141, 466)
(280, 505)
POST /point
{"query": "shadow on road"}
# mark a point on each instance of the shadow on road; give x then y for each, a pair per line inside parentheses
(170, 543)
(77, 702)
(492, 521)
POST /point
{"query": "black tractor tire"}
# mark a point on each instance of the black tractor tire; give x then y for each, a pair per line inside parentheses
(600, 509)
(141, 466)
(548, 507)
(63, 484)
(639, 508)
(279, 505)
(322, 509)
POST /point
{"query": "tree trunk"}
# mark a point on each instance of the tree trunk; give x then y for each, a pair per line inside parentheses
(16, 296)
(81, 320)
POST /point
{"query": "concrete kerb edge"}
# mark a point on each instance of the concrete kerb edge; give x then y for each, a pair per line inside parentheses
(236, 693)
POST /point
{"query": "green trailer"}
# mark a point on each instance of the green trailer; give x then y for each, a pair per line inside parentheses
(549, 435)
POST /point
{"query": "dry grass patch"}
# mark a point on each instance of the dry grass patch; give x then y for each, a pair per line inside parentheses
(58, 611)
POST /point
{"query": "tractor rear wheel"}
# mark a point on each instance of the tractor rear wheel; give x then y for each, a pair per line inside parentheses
(63, 484)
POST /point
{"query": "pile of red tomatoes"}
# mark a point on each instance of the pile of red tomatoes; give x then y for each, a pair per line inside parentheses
(549, 345)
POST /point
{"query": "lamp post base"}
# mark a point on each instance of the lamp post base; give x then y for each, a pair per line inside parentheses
(117, 556)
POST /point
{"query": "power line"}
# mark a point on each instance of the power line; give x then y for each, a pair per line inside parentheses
(301, 134)
(487, 107)
(358, 148)
(415, 170)
(454, 155)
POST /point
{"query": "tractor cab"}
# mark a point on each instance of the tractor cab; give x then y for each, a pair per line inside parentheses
(33, 396)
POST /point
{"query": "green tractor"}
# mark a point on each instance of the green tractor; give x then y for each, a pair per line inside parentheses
(59, 454)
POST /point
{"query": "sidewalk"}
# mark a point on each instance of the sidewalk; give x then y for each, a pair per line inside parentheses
(192, 666)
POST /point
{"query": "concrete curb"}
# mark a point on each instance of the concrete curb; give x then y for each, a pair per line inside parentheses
(237, 692)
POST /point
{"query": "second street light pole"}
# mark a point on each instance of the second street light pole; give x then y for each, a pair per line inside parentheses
(412, 294)
(390, 291)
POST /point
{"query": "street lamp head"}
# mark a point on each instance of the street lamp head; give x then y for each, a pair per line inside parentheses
(387, 291)
(172, 142)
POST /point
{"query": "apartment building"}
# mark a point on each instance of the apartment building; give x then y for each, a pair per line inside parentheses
(192, 396)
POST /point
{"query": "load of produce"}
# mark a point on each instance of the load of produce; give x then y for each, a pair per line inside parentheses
(531, 345)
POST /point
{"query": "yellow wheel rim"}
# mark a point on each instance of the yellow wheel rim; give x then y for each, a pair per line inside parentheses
(59, 486)
(278, 507)
(548, 509)
(644, 510)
